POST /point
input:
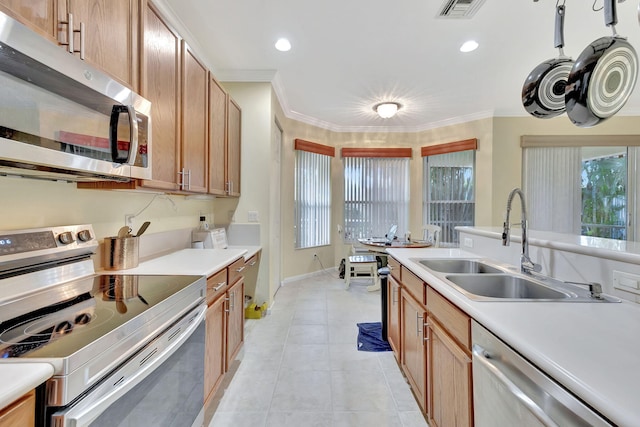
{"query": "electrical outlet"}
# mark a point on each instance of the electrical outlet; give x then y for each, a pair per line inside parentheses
(468, 242)
(252, 216)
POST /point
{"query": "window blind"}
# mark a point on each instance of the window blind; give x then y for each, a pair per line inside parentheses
(551, 184)
(376, 196)
(312, 199)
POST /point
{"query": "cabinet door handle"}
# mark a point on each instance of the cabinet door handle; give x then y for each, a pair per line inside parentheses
(228, 304)
(240, 269)
(220, 286)
(82, 36)
(252, 264)
(426, 329)
(69, 24)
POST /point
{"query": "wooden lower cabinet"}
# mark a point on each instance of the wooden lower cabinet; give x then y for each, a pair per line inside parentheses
(235, 319)
(413, 348)
(450, 402)
(393, 316)
(215, 346)
(20, 413)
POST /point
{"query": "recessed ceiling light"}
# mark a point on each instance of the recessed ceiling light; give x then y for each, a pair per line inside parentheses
(386, 109)
(283, 45)
(469, 46)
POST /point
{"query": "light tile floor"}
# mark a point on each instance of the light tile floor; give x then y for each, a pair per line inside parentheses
(300, 365)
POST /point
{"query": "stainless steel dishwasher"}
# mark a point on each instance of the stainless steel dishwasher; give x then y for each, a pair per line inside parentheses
(508, 390)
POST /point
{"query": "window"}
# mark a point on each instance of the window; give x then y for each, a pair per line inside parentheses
(604, 193)
(312, 194)
(376, 192)
(589, 182)
(449, 187)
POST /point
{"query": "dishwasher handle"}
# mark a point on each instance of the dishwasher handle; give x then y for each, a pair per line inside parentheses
(484, 358)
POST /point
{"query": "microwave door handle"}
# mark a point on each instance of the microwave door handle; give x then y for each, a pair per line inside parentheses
(133, 134)
(480, 355)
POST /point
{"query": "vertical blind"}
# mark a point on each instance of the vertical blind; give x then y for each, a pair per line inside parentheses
(312, 199)
(449, 192)
(552, 185)
(376, 196)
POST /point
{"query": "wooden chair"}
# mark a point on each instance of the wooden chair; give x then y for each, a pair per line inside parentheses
(431, 233)
(362, 263)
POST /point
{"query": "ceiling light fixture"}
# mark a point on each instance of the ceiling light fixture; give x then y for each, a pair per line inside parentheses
(469, 46)
(386, 109)
(283, 45)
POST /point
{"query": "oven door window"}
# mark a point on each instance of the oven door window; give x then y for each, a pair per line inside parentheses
(171, 395)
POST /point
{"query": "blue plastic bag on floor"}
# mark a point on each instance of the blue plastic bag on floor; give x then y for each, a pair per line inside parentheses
(370, 337)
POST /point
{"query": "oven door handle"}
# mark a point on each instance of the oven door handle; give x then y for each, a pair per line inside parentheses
(131, 374)
(481, 356)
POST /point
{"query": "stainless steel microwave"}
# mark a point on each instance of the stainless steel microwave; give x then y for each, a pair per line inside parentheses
(62, 119)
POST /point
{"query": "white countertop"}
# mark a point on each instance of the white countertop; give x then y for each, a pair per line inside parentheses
(189, 261)
(593, 349)
(19, 378)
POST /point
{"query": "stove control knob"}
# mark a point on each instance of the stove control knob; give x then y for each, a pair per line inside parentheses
(84, 235)
(66, 238)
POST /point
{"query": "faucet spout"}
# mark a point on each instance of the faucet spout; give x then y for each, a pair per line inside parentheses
(526, 265)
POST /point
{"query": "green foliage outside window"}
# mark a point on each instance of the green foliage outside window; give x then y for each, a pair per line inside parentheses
(604, 197)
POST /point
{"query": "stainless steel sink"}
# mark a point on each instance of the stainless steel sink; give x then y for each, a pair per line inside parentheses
(505, 287)
(466, 266)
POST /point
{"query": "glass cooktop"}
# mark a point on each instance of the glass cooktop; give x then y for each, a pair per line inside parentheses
(84, 312)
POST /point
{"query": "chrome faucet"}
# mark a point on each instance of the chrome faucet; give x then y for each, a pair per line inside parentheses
(526, 265)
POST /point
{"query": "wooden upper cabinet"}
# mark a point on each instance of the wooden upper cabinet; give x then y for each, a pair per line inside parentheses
(195, 111)
(111, 35)
(39, 15)
(161, 85)
(234, 124)
(217, 137)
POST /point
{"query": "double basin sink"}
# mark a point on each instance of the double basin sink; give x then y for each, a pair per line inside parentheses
(484, 282)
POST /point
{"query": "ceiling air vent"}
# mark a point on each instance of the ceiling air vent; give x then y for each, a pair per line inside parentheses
(460, 9)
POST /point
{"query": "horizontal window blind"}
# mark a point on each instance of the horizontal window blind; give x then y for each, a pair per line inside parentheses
(312, 199)
(376, 196)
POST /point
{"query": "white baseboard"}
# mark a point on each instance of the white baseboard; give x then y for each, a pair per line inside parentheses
(307, 275)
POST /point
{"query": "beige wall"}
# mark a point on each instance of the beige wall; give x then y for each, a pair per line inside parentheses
(257, 166)
(28, 203)
(300, 261)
